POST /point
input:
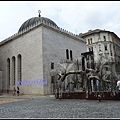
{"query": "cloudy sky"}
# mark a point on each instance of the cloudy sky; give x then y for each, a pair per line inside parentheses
(74, 16)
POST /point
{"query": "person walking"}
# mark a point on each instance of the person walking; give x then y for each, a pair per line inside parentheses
(18, 91)
(118, 87)
(99, 97)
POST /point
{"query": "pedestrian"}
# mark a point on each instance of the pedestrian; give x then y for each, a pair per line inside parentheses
(60, 93)
(118, 87)
(14, 91)
(99, 97)
(18, 91)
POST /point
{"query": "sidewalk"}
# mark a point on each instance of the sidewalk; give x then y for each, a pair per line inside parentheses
(23, 96)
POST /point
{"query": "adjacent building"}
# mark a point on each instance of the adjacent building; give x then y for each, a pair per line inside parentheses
(105, 45)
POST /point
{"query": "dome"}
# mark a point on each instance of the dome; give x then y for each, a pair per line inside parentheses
(33, 20)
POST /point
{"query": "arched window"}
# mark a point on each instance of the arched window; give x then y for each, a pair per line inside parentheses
(71, 57)
(19, 69)
(13, 70)
(67, 54)
(8, 73)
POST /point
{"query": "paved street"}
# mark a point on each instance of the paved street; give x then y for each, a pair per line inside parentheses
(49, 107)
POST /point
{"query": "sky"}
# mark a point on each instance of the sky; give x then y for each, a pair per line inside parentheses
(73, 16)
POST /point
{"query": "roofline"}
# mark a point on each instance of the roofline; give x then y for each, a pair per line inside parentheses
(96, 32)
(37, 24)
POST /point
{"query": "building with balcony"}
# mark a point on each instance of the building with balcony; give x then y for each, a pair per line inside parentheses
(105, 45)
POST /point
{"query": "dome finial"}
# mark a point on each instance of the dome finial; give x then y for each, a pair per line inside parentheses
(39, 11)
